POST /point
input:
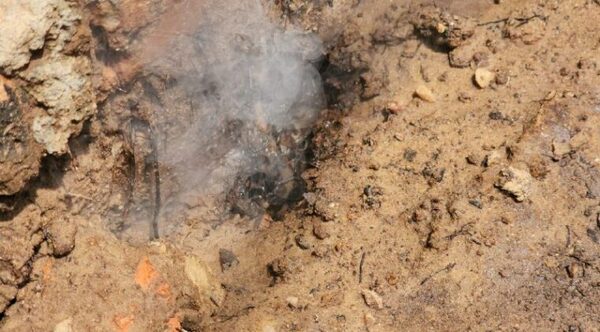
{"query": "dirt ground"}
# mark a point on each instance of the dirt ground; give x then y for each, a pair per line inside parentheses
(453, 180)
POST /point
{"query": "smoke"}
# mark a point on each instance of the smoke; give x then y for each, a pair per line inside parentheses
(241, 97)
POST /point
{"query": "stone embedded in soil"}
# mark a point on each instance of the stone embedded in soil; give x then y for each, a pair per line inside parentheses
(369, 320)
(574, 270)
(425, 93)
(202, 278)
(320, 231)
(25, 24)
(292, 302)
(515, 182)
(64, 326)
(63, 86)
(441, 27)
(473, 159)
(492, 159)
(227, 259)
(278, 268)
(3, 94)
(483, 77)
(61, 236)
(372, 299)
(302, 242)
(560, 150)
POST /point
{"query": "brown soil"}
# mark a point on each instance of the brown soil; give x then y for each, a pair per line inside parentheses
(454, 185)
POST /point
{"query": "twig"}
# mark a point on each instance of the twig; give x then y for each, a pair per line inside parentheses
(360, 266)
(521, 20)
(79, 196)
(447, 269)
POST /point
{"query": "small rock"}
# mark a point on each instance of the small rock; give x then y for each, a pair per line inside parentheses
(473, 159)
(425, 93)
(200, 275)
(409, 154)
(369, 320)
(550, 262)
(484, 77)
(227, 259)
(464, 97)
(268, 328)
(515, 182)
(427, 73)
(64, 326)
(461, 57)
(476, 203)
(61, 236)
(560, 149)
(278, 267)
(394, 107)
(302, 242)
(573, 270)
(372, 299)
(492, 159)
(320, 232)
(550, 95)
(496, 116)
(292, 302)
(3, 95)
(310, 198)
(502, 78)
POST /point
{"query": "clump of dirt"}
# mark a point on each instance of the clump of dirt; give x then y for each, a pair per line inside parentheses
(451, 182)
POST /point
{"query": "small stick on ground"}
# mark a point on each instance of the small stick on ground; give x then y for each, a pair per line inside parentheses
(360, 266)
(447, 269)
(157, 199)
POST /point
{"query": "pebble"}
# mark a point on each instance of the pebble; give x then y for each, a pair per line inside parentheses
(492, 159)
(560, 149)
(515, 182)
(425, 93)
(573, 270)
(3, 94)
(292, 302)
(502, 78)
(394, 107)
(551, 262)
(227, 259)
(61, 236)
(320, 232)
(484, 77)
(473, 159)
(372, 299)
(64, 326)
(369, 319)
(302, 242)
(200, 275)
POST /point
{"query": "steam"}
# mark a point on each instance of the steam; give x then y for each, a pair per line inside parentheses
(244, 92)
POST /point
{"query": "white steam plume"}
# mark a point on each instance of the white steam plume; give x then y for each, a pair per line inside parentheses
(244, 80)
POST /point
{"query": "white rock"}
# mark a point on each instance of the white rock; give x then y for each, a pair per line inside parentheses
(372, 299)
(201, 276)
(425, 93)
(484, 77)
(515, 182)
(292, 301)
(23, 28)
(64, 326)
